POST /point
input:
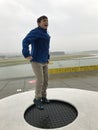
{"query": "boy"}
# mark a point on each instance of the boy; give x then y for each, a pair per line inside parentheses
(39, 40)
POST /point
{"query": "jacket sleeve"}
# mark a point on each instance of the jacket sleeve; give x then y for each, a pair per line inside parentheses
(29, 39)
(48, 56)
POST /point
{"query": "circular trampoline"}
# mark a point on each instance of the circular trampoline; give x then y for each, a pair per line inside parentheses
(56, 114)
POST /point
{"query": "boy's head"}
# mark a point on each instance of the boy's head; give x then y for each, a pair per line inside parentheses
(43, 22)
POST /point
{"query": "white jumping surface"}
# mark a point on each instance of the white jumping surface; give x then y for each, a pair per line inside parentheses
(13, 107)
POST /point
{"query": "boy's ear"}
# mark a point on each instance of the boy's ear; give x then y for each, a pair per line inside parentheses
(38, 24)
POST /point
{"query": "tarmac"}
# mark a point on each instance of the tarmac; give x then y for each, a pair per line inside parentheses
(79, 89)
(80, 80)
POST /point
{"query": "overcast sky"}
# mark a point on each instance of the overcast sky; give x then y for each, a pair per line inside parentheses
(73, 24)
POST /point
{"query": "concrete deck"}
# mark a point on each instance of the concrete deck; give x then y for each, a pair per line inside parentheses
(12, 109)
(79, 89)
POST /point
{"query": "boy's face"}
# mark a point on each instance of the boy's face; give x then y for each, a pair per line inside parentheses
(43, 24)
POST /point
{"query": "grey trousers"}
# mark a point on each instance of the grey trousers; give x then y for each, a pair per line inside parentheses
(41, 73)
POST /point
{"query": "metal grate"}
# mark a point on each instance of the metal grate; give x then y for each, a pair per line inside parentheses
(55, 115)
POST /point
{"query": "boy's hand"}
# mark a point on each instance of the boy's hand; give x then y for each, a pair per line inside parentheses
(48, 62)
(29, 57)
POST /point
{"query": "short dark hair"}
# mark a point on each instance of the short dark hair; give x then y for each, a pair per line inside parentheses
(41, 18)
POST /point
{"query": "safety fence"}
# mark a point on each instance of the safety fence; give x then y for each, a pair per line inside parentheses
(73, 65)
(55, 67)
(72, 69)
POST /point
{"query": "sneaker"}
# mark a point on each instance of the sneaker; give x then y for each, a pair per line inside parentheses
(45, 100)
(38, 104)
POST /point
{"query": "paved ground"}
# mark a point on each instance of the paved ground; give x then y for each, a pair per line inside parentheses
(11, 117)
(84, 80)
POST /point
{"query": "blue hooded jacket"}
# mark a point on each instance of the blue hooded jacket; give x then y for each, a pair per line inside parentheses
(39, 40)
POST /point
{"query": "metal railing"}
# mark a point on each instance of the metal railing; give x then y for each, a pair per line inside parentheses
(25, 70)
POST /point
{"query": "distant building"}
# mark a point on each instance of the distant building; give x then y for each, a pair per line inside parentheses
(57, 53)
